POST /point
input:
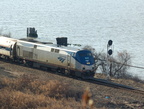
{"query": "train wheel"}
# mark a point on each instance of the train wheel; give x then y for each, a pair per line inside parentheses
(29, 63)
(6, 58)
(60, 70)
(67, 72)
(72, 73)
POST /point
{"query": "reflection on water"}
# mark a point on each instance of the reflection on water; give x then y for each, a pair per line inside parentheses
(91, 22)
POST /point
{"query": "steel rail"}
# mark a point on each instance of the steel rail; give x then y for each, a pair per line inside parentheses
(114, 85)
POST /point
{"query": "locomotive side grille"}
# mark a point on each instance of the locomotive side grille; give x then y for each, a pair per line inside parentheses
(27, 54)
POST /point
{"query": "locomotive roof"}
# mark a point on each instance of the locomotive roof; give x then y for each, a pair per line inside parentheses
(7, 42)
(65, 48)
(35, 41)
(8, 38)
(50, 45)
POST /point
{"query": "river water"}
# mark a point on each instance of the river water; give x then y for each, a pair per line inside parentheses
(85, 22)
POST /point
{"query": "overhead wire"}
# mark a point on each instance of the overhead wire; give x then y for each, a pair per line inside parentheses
(134, 66)
(127, 65)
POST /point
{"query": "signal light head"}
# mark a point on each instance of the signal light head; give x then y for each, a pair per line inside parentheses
(110, 52)
(110, 42)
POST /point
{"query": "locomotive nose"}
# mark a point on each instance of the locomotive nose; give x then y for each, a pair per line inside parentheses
(87, 68)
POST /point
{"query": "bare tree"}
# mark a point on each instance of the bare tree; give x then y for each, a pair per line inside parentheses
(117, 66)
(4, 34)
(121, 64)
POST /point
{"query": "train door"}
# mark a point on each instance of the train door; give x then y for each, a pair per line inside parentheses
(18, 51)
(11, 51)
(34, 50)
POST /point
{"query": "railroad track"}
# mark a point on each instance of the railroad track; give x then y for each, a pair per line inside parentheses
(97, 81)
(114, 85)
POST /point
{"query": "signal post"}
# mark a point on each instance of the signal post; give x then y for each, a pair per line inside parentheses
(109, 57)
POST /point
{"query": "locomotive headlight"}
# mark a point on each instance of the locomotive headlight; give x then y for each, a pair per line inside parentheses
(88, 62)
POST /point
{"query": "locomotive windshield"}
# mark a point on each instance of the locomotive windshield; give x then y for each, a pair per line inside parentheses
(85, 57)
(81, 54)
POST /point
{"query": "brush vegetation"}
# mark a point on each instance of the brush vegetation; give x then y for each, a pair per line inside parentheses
(30, 92)
(113, 66)
(4, 34)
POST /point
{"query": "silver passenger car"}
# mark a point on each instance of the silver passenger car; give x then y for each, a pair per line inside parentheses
(7, 47)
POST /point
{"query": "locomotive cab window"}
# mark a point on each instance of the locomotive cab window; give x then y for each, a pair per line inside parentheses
(85, 57)
(74, 54)
(52, 50)
(85, 54)
(35, 46)
(57, 50)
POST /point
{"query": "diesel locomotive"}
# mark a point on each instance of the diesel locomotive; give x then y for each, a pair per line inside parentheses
(64, 59)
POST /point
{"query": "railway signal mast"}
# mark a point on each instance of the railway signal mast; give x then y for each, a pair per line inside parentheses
(109, 48)
(109, 57)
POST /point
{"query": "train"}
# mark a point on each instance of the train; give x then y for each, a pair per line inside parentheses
(60, 57)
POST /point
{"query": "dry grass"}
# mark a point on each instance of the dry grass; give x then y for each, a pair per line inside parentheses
(30, 92)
